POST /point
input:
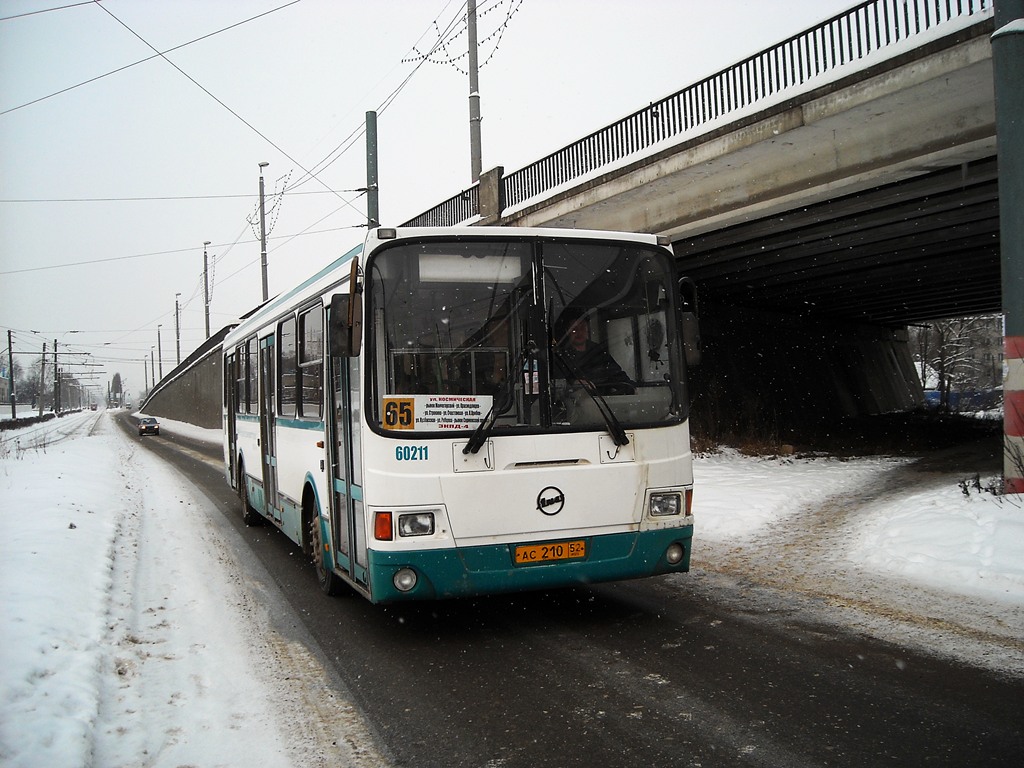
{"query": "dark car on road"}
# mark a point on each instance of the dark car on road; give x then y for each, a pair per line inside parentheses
(148, 426)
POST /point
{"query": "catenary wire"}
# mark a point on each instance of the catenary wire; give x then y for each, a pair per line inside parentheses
(158, 54)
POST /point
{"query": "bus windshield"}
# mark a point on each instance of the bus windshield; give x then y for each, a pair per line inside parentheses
(535, 334)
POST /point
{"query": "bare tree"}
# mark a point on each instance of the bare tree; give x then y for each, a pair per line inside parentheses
(963, 354)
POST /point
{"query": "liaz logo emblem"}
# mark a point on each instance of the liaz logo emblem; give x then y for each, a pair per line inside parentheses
(551, 500)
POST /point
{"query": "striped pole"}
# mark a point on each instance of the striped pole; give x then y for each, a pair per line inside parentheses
(1013, 416)
(1008, 76)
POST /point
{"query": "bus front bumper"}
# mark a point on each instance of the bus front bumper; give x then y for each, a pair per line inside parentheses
(465, 571)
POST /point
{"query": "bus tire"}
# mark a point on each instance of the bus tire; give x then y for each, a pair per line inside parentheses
(329, 582)
(249, 515)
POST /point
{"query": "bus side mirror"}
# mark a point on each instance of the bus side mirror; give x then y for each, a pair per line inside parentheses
(690, 327)
(346, 324)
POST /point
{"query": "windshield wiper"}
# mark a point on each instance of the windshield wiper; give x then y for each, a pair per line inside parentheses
(615, 429)
(499, 405)
(479, 436)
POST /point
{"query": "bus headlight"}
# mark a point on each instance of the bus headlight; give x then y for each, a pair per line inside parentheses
(665, 504)
(404, 579)
(416, 524)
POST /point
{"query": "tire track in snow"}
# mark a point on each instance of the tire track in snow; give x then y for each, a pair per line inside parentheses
(807, 555)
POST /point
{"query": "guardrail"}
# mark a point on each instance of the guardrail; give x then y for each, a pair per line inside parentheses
(845, 38)
(457, 209)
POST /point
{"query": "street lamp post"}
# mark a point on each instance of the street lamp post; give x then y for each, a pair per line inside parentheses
(159, 351)
(206, 289)
(474, 92)
(177, 331)
(10, 371)
(263, 235)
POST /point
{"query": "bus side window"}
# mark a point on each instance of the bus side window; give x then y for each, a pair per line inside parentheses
(288, 369)
(310, 363)
(252, 372)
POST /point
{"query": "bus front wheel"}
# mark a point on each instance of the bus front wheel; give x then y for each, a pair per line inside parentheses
(249, 515)
(329, 582)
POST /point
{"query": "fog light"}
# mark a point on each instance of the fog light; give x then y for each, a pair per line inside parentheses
(405, 579)
(674, 553)
(665, 504)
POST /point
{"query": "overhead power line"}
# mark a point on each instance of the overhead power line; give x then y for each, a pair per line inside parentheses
(168, 253)
(44, 10)
(209, 93)
(349, 141)
(164, 198)
(156, 55)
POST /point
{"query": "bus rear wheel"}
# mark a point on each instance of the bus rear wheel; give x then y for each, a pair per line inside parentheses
(329, 582)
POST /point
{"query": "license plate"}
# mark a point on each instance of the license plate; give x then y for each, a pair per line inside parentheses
(544, 553)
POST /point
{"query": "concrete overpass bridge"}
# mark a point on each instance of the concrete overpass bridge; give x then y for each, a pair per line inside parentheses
(823, 194)
(848, 172)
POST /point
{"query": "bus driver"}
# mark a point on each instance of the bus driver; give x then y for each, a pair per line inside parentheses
(584, 360)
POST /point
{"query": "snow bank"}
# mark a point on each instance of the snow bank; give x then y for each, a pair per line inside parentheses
(738, 496)
(129, 635)
(969, 543)
(60, 513)
(963, 543)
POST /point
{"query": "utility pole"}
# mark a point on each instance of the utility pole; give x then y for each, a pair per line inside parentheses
(263, 236)
(159, 351)
(42, 378)
(206, 289)
(145, 373)
(152, 367)
(10, 373)
(56, 380)
(177, 331)
(474, 92)
(372, 197)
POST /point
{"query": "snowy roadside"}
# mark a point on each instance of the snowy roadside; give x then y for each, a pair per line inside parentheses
(914, 556)
(131, 635)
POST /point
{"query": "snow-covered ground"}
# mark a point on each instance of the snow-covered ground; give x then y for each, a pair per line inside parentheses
(132, 636)
(920, 555)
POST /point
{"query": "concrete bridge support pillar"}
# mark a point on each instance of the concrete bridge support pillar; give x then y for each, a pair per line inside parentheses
(1008, 68)
(492, 197)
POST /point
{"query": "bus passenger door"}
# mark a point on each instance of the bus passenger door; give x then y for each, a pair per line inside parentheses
(346, 493)
(230, 413)
(267, 443)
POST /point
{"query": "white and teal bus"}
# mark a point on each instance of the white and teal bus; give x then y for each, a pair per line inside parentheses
(462, 411)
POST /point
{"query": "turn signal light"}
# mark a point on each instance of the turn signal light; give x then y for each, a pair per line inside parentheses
(382, 530)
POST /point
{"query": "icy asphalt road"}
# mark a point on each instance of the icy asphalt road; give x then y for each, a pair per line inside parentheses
(723, 667)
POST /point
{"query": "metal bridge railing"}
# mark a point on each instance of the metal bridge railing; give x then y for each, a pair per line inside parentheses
(845, 38)
(457, 209)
